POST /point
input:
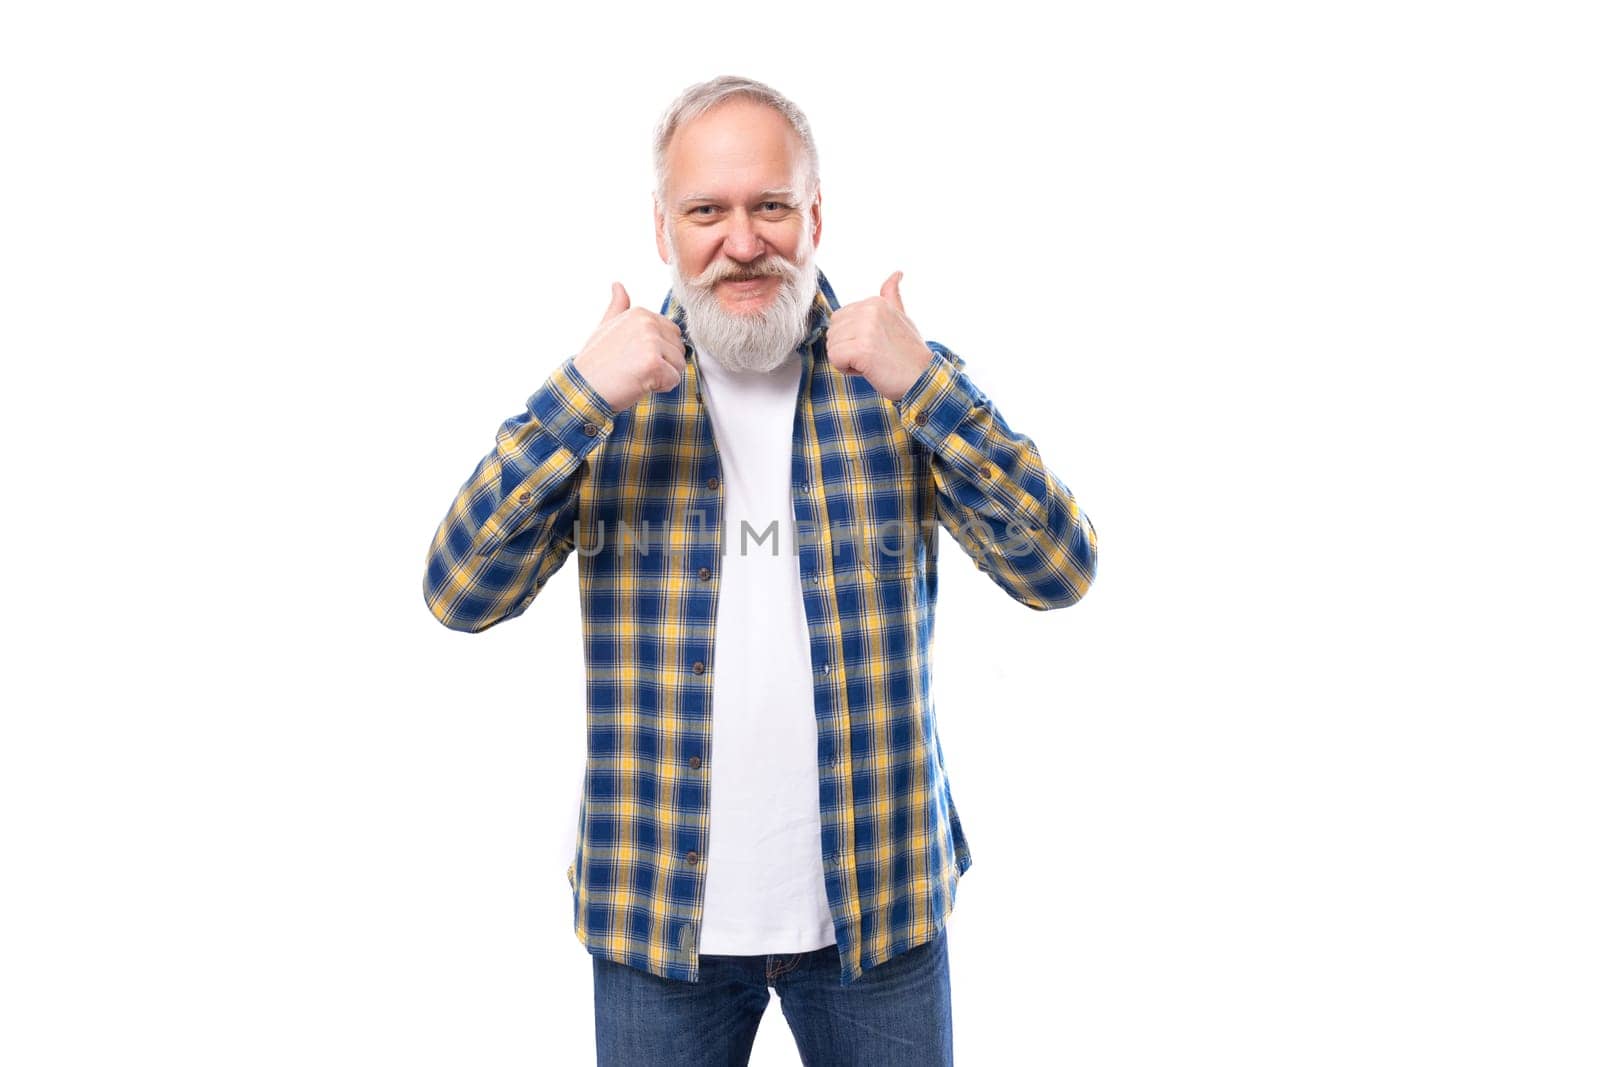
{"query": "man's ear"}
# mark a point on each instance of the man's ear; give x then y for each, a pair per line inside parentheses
(816, 219)
(661, 233)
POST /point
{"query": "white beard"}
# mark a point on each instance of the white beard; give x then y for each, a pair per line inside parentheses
(756, 342)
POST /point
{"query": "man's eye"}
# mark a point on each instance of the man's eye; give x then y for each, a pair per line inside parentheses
(776, 205)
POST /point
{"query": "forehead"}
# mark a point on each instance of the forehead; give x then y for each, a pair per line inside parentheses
(735, 148)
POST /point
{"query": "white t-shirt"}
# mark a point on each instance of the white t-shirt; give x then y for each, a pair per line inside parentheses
(763, 878)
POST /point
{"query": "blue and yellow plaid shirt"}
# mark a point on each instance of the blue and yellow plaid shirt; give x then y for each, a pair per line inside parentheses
(638, 494)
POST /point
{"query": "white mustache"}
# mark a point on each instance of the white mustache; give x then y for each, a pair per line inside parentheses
(770, 269)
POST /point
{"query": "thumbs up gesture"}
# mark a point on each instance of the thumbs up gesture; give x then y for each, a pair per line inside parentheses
(874, 338)
(633, 353)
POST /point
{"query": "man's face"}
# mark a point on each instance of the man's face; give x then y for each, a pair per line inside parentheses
(738, 235)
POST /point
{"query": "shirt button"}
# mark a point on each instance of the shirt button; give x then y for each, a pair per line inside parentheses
(524, 496)
(986, 472)
(705, 573)
(590, 429)
(825, 668)
(805, 488)
(694, 761)
(712, 482)
(699, 667)
(920, 418)
(693, 858)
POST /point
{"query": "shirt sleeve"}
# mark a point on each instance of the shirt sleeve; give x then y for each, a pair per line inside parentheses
(1009, 513)
(511, 524)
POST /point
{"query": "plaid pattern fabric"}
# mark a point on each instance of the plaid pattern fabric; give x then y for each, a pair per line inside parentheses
(637, 495)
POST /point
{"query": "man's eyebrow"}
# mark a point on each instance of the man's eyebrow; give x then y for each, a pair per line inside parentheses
(783, 193)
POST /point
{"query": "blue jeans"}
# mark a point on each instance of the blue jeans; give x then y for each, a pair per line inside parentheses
(896, 1013)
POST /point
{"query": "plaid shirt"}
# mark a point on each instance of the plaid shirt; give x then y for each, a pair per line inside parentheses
(637, 494)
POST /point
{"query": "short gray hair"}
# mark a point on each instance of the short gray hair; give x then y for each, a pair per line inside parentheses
(698, 99)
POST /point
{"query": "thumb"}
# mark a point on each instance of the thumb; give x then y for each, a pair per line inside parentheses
(891, 291)
(619, 303)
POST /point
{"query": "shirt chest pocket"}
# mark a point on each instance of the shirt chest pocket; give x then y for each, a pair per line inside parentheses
(885, 481)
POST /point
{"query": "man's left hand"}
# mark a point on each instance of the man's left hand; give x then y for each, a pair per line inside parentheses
(874, 338)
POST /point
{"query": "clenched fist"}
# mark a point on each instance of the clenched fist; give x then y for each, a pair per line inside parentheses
(873, 337)
(634, 352)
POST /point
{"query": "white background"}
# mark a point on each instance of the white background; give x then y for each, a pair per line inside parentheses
(1299, 300)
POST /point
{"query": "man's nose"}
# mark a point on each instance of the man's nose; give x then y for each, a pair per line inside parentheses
(742, 243)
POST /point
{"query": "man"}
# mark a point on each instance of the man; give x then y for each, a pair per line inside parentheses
(754, 480)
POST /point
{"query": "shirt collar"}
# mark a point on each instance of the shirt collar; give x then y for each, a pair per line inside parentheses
(822, 308)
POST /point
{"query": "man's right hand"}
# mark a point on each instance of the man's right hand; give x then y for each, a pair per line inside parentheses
(635, 352)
